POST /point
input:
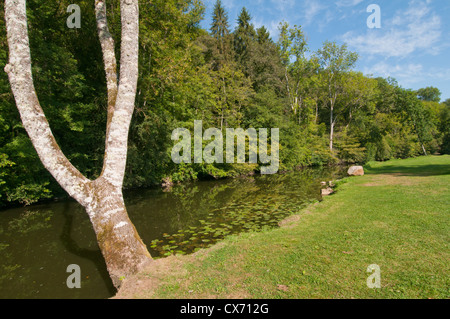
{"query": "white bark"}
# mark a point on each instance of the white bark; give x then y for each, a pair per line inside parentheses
(424, 150)
(117, 140)
(121, 246)
(109, 58)
(123, 249)
(31, 113)
(331, 127)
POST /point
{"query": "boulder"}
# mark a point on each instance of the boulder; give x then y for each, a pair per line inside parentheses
(327, 191)
(355, 171)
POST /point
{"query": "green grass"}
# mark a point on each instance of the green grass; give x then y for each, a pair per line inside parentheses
(396, 216)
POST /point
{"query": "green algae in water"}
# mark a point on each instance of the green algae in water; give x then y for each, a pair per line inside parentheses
(246, 209)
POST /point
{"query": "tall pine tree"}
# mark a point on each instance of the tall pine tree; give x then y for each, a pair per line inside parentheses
(220, 27)
(244, 34)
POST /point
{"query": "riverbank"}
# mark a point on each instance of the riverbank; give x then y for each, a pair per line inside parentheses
(166, 184)
(396, 216)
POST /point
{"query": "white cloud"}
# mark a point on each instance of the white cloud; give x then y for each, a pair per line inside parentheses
(348, 3)
(311, 9)
(316, 12)
(415, 29)
(272, 27)
(283, 5)
(408, 72)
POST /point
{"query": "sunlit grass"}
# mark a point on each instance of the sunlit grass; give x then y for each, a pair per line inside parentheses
(397, 217)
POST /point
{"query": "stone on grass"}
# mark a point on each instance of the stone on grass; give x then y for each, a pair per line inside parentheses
(355, 171)
(327, 191)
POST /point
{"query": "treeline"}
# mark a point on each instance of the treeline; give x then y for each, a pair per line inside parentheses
(326, 111)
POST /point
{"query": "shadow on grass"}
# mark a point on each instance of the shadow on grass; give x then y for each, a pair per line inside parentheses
(409, 170)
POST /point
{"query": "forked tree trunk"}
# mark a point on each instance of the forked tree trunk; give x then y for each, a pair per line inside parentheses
(121, 246)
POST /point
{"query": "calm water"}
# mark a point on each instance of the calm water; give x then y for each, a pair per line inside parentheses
(37, 243)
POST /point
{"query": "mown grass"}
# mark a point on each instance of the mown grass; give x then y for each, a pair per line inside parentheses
(396, 216)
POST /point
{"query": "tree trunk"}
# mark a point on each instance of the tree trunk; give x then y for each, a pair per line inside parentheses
(225, 102)
(317, 112)
(332, 97)
(331, 126)
(424, 150)
(121, 246)
(109, 58)
(420, 140)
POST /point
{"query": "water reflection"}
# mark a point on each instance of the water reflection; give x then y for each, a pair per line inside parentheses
(94, 255)
(37, 243)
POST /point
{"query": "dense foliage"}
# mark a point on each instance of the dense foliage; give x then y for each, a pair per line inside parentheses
(326, 111)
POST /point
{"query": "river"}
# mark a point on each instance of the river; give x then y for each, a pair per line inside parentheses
(39, 242)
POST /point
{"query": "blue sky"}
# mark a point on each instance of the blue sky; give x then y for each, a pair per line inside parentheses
(412, 45)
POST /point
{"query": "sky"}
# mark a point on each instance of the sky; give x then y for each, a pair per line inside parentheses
(412, 44)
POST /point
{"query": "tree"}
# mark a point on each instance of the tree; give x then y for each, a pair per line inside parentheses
(221, 33)
(262, 35)
(444, 127)
(219, 26)
(335, 61)
(243, 35)
(430, 94)
(300, 72)
(170, 86)
(121, 246)
(262, 63)
(232, 91)
(359, 93)
(419, 117)
(292, 44)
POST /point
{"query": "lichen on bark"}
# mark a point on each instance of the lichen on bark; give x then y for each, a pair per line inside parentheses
(123, 249)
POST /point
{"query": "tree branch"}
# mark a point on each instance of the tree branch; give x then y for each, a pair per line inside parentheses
(33, 117)
(117, 138)
(109, 58)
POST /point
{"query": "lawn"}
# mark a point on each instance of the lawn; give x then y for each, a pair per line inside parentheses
(396, 216)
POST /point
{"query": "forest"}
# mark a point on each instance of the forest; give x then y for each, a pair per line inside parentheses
(327, 112)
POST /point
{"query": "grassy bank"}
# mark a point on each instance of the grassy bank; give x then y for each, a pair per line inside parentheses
(396, 216)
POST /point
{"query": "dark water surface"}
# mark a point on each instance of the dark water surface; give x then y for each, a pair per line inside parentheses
(39, 242)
